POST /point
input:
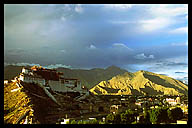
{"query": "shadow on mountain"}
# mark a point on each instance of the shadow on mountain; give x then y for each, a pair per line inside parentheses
(136, 92)
(110, 90)
(150, 91)
(159, 81)
(97, 91)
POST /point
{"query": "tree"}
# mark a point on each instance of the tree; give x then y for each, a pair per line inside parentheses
(110, 118)
(72, 122)
(117, 119)
(128, 117)
(163, 117)
(113, 118)
(146, 117)
(159, 115)
(124, 118)
(81, 122)
(175, 114)
(94, 121)
(101, 122)
(154, 115)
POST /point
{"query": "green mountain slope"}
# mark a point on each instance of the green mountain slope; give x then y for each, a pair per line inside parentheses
(140, 83)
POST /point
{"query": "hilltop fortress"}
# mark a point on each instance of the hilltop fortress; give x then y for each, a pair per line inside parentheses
(51, 79)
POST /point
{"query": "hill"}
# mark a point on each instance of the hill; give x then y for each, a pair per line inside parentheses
(140, 83)
(91, 77)
(11, 71)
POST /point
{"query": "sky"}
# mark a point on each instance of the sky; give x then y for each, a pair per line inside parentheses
(151, 37)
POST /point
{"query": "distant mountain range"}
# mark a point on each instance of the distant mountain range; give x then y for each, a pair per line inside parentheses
(140, 83)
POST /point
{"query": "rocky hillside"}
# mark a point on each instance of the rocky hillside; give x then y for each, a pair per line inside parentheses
(140, 83)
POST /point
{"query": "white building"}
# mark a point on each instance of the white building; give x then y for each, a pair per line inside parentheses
(65, 85)
(51, 78)
(32, 79)
(171, 101)
(25, 70)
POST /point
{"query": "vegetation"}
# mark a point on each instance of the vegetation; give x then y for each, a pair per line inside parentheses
(94, 121)
(175, 114)
(146, 119)
(154, 116)
(72, 122)
(128, 117)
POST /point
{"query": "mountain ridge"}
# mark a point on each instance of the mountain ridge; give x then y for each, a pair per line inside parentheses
(140, 83)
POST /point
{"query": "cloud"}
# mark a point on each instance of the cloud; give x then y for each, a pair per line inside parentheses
(121, 45)
(164, 66)
(52, 66)
(143, 56)
(21, 64)
(154, 24)
(92, 46)
(63, 18)
(181, 30)
(78, 8)
(151, 56)
(179, 44)
(169, 10)
(118, 6)
(136, 29)
(163, 17)
(175, 64)
(121, 22)
(57, 66)
(63, 51)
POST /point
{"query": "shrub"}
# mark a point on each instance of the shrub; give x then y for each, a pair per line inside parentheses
(73, 122)
(146, 117)
(159, 115)
(175, 114)
(110, 118)
(128, 117)
(94, 121)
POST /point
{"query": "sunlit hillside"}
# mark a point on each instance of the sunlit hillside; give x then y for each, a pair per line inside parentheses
(140, 83)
